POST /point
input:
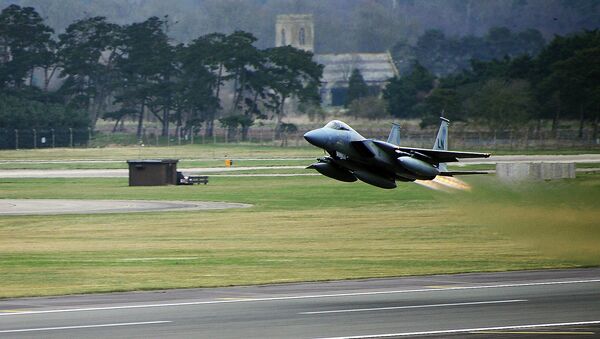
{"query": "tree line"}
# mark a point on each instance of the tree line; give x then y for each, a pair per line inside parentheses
(502, 80)
(117, 71)
(561, 82)
(443, 55)
(340, 25)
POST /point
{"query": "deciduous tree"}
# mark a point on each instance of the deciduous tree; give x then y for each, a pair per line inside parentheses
(87, 52)
(502, 104)
(290, 72)
(29, 43)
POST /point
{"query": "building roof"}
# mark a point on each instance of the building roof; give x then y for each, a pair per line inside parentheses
(374, 67)
(153, 161)
(295, 17)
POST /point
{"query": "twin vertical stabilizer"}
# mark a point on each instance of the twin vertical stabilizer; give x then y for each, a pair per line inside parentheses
(441, 142)
(394, 137)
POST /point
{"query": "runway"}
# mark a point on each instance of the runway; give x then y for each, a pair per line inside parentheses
(487, 305)
(230, 171)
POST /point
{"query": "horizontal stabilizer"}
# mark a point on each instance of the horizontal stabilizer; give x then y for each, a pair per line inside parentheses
(453, 173)
(442, 155)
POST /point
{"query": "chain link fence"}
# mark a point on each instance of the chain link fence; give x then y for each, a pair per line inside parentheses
(44, 138)
(264, 135)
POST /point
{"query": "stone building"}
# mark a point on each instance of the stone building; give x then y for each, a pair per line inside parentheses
(376, 69)
(297, 30)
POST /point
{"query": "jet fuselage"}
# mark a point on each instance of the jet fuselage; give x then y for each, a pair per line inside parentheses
(380, 163)
(351, 153)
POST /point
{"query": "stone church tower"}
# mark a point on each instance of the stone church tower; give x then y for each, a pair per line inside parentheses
(296, 30)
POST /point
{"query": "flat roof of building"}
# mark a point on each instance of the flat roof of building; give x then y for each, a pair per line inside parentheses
(153, 161)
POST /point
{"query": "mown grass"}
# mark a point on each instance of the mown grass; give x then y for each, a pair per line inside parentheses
(556, 218)
(592, 149)
(211, 152)
(206, 151)
(588, 165)
(300, 229)
(121, 164)
(187, 164)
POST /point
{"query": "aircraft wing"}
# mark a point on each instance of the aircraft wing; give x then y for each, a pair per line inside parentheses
(429, 155)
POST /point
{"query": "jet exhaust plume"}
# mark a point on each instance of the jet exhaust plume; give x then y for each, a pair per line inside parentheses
(444, 184)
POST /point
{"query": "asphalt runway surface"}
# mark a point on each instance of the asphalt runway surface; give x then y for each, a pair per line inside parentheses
(116, 173)
(536, 304)
(79, 206)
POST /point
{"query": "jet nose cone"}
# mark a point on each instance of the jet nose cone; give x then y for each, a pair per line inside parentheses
(315, 137)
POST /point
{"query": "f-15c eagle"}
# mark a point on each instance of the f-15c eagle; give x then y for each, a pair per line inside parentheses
(382, 163)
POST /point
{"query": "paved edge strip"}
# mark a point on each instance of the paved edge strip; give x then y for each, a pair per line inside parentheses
(85, 326)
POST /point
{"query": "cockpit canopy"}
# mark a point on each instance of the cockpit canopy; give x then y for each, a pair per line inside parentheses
(338, 125)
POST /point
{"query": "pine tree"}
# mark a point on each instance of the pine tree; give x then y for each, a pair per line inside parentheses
(357, 87)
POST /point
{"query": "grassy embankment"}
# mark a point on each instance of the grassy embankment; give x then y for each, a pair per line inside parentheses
(300, 229)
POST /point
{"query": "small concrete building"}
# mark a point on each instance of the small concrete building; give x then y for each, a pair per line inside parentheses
(532, 171)
(152, 172)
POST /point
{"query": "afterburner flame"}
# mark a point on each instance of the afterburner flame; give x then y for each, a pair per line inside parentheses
(444, 184)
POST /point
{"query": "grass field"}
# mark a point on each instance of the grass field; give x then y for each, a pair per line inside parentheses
(121, 164)
(300, 229)
(208, 152)
(191, 156)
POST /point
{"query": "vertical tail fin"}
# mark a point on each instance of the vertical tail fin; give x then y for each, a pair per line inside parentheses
(394, 137)
(441, 141)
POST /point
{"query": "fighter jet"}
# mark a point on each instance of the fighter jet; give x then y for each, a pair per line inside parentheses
(382, 163)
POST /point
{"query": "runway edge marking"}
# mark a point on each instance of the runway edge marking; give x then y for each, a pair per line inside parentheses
(209, 302)
(85, 326)
(465, 330)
